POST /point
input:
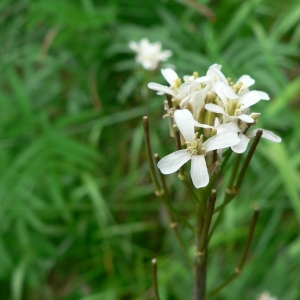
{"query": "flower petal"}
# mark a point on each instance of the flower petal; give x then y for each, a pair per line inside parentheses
(197, 124)
(172, 162)
(162, 89)
(203, 79)
(231, 126)
(199, 171)
(197, 101)
(185, 122)
(221, 140)
(170, 75)
(269, 135)
(184, 89)
(242, 145)
(215, 71)
(246, 80)
(245, 118)
(164, 55)
(215, 108)
(133, 46)
(188, 78)
(252, 97)
(148, 64)
(224, 91)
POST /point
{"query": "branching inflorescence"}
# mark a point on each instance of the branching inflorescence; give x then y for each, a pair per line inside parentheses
(207, 115)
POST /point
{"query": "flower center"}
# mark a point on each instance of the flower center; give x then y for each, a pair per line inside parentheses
(233, 107)
(196, 147)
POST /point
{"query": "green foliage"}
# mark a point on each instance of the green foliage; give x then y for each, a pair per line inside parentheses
(78, 214)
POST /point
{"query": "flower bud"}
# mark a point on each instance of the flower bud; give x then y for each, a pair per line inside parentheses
(209, 119)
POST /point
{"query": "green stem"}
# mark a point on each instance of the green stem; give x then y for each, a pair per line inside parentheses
(227, 155)
(154, 278)
(174, 226)
(199, 284)
(209, 213)
(248, 159)
(231, 192)
(238, 269)
(234, 171)
(159, 191)
(229, 196)
(149, 156)
(183, 178)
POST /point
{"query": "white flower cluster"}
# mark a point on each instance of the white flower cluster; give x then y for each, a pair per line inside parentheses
(149, 55)
(219, 109)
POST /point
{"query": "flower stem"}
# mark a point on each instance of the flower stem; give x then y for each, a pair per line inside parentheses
(154, 278)
(200, 265)
(149, 155)
(233, 191)
(203, 225)
(248, 159)
(160, 192)
(227, 155)
(238, 269)
(207, 221)
(234, 171)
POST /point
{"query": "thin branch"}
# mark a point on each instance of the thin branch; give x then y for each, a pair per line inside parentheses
(207, 221)
(165, 198)
(234, 171)
(226, 156)
(201, 245)
(149, 156)
(248, 159)
(154, 278)
(231, 192)
(159, 191)
(239, 267)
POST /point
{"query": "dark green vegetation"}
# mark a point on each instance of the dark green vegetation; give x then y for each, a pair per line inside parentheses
(78, 214)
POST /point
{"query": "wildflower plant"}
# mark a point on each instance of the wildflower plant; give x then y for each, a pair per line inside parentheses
(212, 124)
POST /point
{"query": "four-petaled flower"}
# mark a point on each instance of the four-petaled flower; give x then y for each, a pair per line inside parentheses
(149, 55)
(196, 148)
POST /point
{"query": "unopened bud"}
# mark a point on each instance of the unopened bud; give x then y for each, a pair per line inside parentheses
(210, 97)
(209, 119)
(255, 116)
(178, 82)
(175, 102)
(237, 87)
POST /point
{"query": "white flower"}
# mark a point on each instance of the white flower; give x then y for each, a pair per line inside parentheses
(245, 138)
(220, 110)
(182, 92)
(234, 104)
(196, 149)
(214, 72)
(149, 55)
(266, 296)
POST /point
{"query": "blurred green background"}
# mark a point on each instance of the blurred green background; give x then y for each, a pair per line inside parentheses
(78, 214)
